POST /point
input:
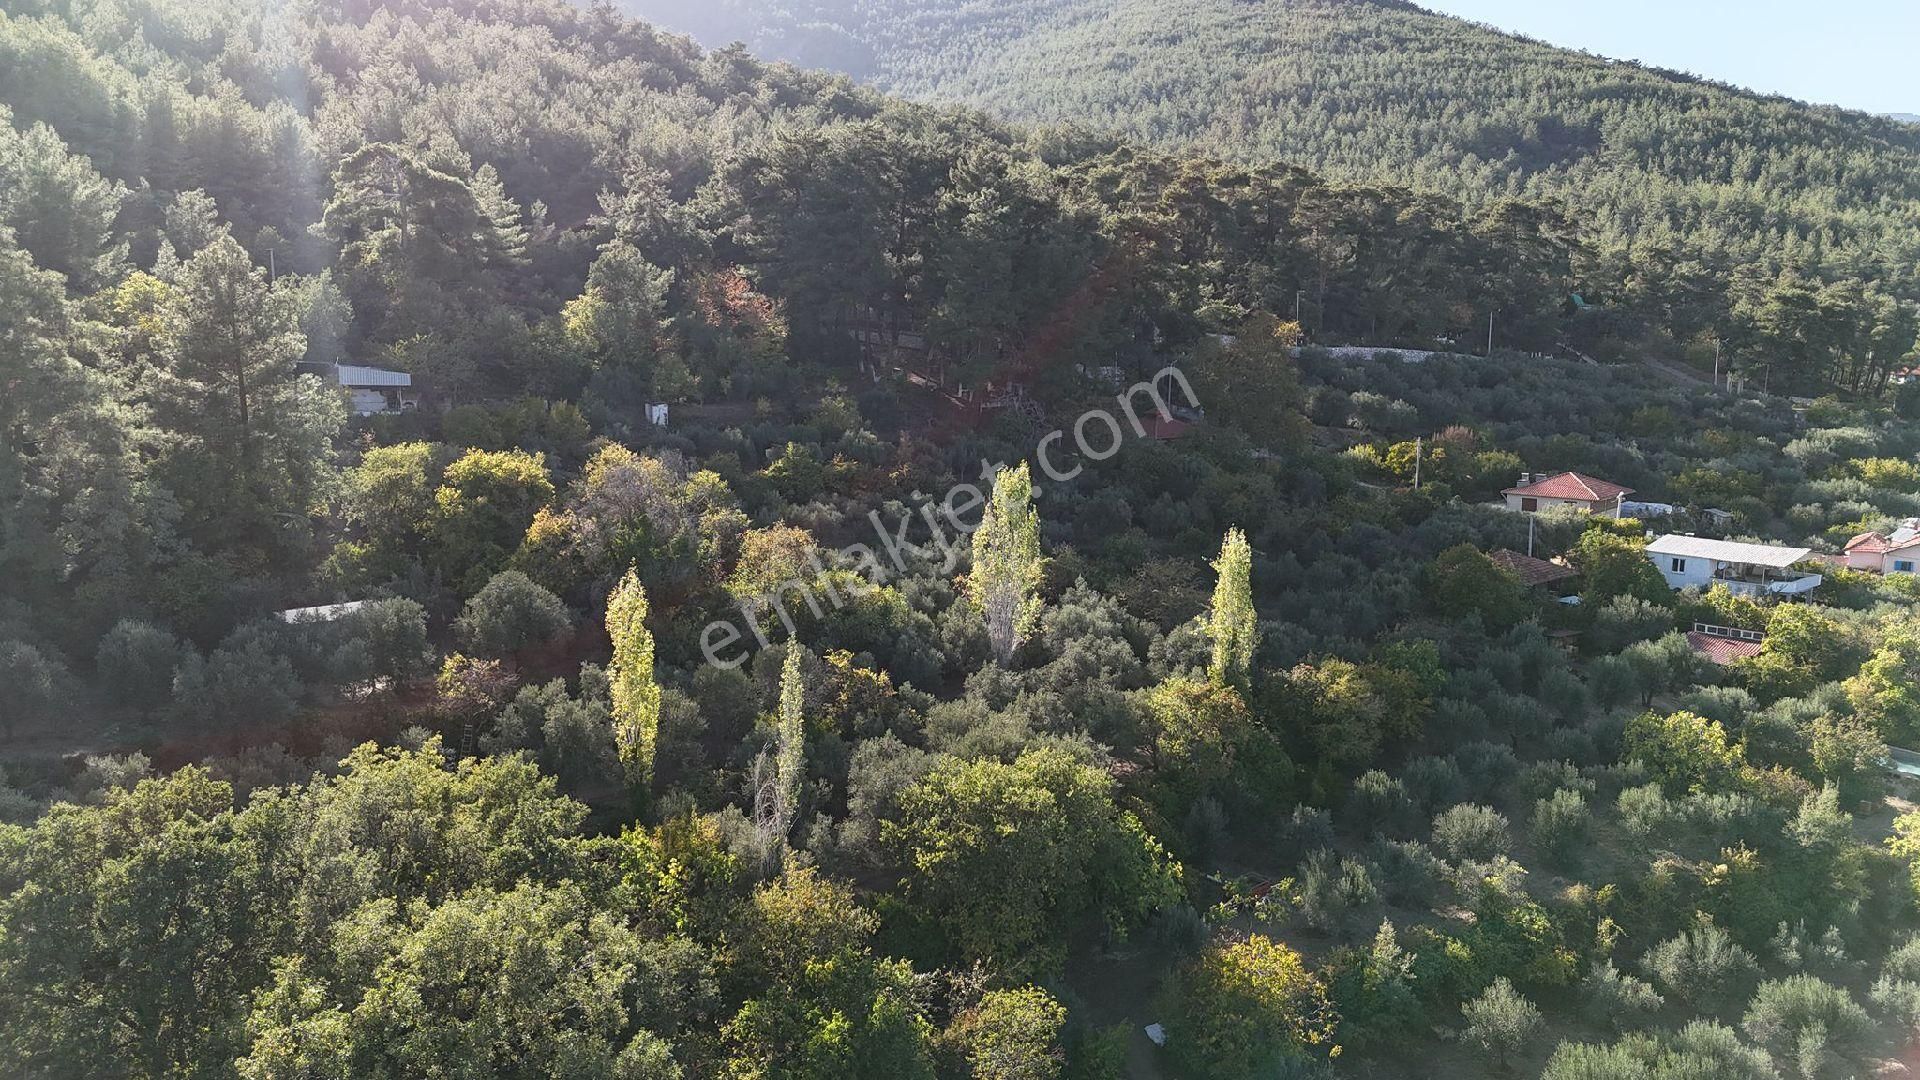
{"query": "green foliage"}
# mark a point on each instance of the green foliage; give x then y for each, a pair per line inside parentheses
(1374, 993)
(1886, 690)
(1249, 381)
(1232, 623)
(1804, 648)
(1616, 145)
(1701, 963)
(1242, 1007)
(510, 614)
(1617, 996)
(830, 1007)
(1684, 752)
(1612, 566)
(1702, 1049)
(389, 497)
(481, 510)
(1463, 582)
(398, 883)
(30, 682)
(636, 697)
(135, 662)
(1007, 566)
(1812, 1026)
(1012, 1035)
(1561, 825)
(1501, 1022)
(1467, 832)
(1202, 741)
(250, 459)
(1046, 831)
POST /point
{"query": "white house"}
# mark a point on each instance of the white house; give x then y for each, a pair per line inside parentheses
(1583, 493)
(1745, 569)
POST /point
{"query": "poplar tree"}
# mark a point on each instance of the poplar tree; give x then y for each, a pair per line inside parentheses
(778, 773)
(636, 697)
(1232, 623)
(793, 735)
(1005, 581)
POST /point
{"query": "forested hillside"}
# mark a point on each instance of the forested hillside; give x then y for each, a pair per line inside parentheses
(1708, 213)
(531, 550)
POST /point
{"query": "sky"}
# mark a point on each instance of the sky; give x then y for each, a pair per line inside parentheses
(1863, 54)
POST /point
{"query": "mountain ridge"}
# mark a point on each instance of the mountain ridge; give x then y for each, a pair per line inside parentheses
(1674, 177)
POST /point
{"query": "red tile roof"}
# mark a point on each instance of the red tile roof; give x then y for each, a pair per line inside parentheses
(1871, 543)
(1165, 427)
(1722, 651)
(1529, 570)
(1571, 485)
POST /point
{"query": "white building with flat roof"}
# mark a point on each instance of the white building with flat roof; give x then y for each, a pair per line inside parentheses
(1745, 569)
(376, 390)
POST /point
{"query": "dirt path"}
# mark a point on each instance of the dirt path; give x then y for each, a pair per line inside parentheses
(1675, 371)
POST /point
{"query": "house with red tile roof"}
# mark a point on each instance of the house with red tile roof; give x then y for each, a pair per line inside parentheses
(1533, 573)
(1723, 645)
(1897, 552)
(1581, 492)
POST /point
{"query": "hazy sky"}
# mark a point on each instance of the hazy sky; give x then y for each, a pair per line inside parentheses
(1864, 54)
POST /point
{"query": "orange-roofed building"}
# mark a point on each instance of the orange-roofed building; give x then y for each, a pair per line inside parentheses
(1897, 552)
(1583, 493)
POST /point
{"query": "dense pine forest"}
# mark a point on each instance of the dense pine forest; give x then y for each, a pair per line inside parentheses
(1784, 234)
(531, 549)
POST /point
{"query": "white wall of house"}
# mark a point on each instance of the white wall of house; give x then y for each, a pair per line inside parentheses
(1904, 560)
(1865, 560)
(1528, 504)
(1684, 571)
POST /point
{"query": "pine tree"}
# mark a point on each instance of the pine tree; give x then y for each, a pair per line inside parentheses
(503, 233)
(1233, 625)
(636, 697)
(1006, 562)
(251, 447)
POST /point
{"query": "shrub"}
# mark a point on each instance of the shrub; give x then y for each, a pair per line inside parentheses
(1306, 830)
(1561, 824)
(1241, 1006)
(1646, 812)
(1408, 871)
(1618, 997)
(1379, 804)
(1433, 782)
(135, 662)
(1486, 767)
(1501, 1022)
(1812, 1023)
(1701, 964)
(30, 682)
(1473, 832)
(509, 614)
(1333, 888)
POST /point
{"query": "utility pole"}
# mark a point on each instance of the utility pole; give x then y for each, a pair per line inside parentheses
(271, 275)
(1489, 335)
(1419, 451)
(1716, 363)
(1530, 522)
(1297, 294)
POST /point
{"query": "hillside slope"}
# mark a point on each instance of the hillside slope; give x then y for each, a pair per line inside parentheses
(1673, 176)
